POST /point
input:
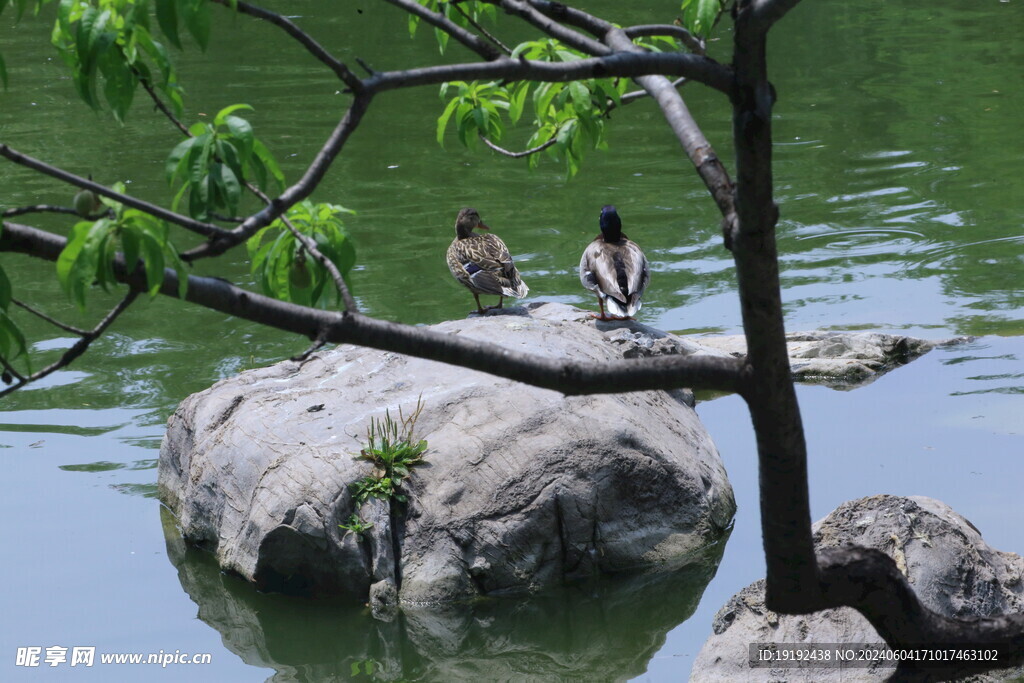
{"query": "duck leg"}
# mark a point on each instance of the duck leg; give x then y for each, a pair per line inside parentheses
(603, 316)
(479, 307)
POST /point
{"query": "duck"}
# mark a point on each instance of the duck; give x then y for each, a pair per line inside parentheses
(482, 262)
(615, 268)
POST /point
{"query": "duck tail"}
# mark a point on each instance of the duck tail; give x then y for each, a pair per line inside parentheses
(517, 288)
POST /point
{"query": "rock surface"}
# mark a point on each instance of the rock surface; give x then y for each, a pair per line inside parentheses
(522, 487)
(952, 569)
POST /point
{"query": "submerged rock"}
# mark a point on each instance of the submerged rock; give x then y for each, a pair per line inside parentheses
(521, 488)
(951, 568)
(839, 359)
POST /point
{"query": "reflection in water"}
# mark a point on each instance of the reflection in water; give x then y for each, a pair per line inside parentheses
(605, 630)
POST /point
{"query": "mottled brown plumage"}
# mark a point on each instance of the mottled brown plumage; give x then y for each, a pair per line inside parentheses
(482, 263)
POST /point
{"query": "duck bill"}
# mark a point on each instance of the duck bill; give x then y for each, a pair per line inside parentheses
(482, 226)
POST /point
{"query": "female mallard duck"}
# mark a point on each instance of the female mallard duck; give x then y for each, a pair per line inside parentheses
(615, 269)
(482, 262)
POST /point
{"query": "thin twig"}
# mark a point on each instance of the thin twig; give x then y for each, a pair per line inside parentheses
(518, 155)
(314, 48)
(205, 229)
(38, 208)
(318, 343)
(572, 38)
(479, 27)
(692, 42)
(53, 321)
(438, 20)
(79, 347)
(161, 106)
(11, 371)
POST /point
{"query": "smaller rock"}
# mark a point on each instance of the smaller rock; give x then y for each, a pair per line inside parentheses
(840, 359)
(953, 571)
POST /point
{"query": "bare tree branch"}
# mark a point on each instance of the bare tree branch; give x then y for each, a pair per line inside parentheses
(17, 376)
(566, 376)
(38, 208)
(625, 64)
(205, 229)
(79, 347)
(565, 35)
(160, 104)
(303, 38)
(467, 38)
(53, 321)
(479, 27)
(339, 281)
(692, 42)
(766, 12)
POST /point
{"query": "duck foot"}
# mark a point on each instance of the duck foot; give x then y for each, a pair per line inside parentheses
(610, 318)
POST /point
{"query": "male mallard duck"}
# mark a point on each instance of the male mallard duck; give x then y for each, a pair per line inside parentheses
(615, 268)
(482, 262)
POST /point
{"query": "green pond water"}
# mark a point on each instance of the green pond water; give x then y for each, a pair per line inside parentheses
(897, 166)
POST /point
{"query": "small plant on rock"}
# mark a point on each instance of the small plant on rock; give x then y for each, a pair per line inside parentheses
(393, 450)
(355, 525)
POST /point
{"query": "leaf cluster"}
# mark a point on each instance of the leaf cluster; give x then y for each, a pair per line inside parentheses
(215, 162)
(463, 14)
(700, 16)
(114, 39)
(282, 265)
(394, 451)
(89, 255)
(569, 117)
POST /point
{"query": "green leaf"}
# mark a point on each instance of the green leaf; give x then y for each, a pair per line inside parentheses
(518, 101)
(130, 247)
(197, 19)
(222, 116)
(580, 96)
(179, 268)
(230, 187)
(442, 121)
(11, 336)
(241, 130)
(175, 164)
(119, 88)
(5, 290)
(153, 255)
(699, 15)
(167, 18)
(264, 155)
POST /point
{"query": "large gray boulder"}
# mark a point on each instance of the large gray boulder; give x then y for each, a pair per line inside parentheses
(951, 568)
(522, 487)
